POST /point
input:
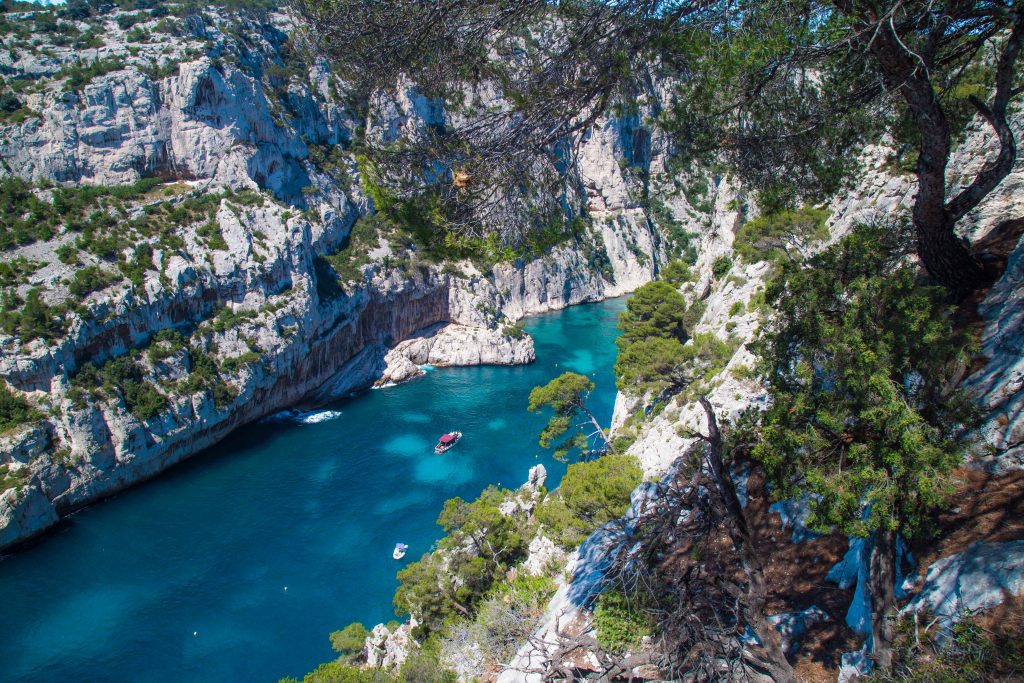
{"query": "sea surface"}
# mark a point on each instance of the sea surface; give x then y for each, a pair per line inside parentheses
(235, 565)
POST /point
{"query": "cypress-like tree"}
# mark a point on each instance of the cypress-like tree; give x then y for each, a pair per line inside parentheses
(860, 361)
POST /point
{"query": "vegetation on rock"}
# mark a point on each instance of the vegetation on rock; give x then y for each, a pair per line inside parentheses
(857, 361)
(566, 396)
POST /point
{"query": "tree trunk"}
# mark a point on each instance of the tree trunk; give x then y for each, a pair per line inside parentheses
(773, 659)
(944, 255)
(600, 431)
(882, 578)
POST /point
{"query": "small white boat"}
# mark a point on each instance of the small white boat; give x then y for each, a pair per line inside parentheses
(447, 441)
(399, 551)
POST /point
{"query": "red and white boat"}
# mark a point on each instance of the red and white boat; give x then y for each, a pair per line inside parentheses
(447, 441)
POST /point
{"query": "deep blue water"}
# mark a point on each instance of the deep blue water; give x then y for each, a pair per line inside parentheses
(184, 578)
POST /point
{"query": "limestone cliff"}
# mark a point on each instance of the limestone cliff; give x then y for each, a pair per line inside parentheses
(177, 309)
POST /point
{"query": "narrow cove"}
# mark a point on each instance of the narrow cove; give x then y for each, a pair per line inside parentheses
(237, 564)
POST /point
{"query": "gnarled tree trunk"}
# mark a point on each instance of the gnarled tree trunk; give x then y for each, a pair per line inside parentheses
(771, 658)
(882, 579)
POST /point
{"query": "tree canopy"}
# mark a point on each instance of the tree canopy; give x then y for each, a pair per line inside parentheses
(655, 311)
(566, 395)
(859, 362)
(781, 88)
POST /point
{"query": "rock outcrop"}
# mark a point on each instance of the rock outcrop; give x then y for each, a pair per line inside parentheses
(261, 191)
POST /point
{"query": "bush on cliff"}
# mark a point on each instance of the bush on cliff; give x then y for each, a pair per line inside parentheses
(349, 641)
(858, 361)
(566, 396)
(481, 544)
(32, 318)
(591, 494)
(656, 310)
(14, 410)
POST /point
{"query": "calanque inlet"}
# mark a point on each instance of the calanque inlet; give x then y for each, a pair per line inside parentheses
(724, 299)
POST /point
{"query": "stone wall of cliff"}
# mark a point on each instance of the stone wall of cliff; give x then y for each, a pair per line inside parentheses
(258, 181)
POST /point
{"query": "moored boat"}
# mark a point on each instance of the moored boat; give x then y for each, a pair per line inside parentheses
(399, 551)
(447, 441)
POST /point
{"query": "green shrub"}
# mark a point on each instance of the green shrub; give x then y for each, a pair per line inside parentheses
(677, 273)
(236, 362)
(79, 75)
(721, 266)
(31, 319)
(123, 378)
(514, 331)
(972, 651)
(591, 494)
(135, 268)
(15, 411)
(212, 235)
(621, 622)
(656, 309)
(769, 237)
(350, 640)
(90, 279)
(11, 478)
(737, 308)
(165, 344)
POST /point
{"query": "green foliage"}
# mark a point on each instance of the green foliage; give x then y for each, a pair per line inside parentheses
(856, 361)
(13, 478)
(481, 544)
(969, 652)
(228, 318)
(32, 318)
(212, 235)
(135, 268)
(423, 666)
(721, 266)
(350, 640)
(352, 255)
(339, 672)
(122, 377)
(90, 279)
(655, 310)
(514, 331)
(680, 240)
(770, 236)
(621, 621)
(80, 74)
(506, 617)
(25, 218)
(165, 344)
(15, 411)
(677, 273)
(566, 396)
(16, 271)
(204, 376)
(236, 362)
(654, 359)
(591, 494)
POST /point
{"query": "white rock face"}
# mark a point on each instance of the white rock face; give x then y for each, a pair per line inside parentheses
(978, 578)
(389, 649)
(24, 512)
(210, 124)
(453, 344)
(1000, 383)
(543, 554)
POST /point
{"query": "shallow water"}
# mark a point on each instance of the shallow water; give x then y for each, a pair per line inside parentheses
(235, 565)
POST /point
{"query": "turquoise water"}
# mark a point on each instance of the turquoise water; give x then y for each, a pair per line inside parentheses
(236, 565)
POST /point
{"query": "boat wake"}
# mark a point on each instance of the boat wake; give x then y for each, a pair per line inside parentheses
(303, 417)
